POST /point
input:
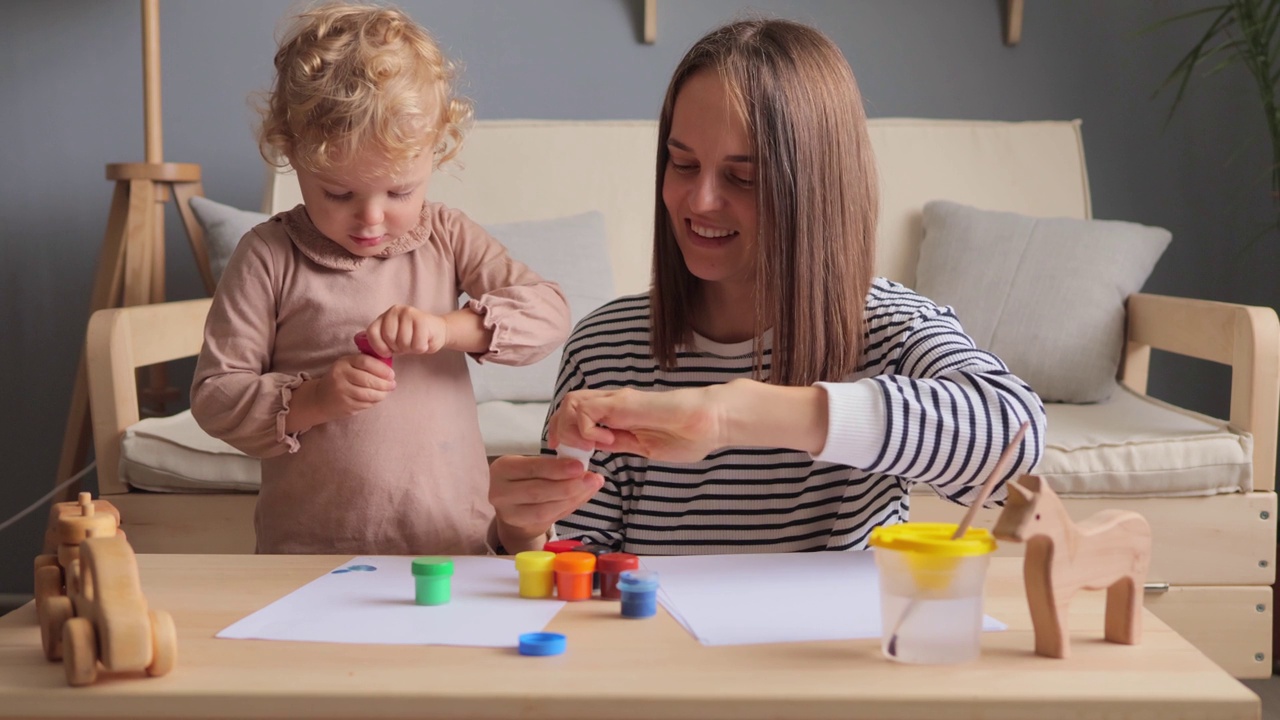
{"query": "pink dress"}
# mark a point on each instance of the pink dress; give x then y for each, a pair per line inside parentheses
(409, 475)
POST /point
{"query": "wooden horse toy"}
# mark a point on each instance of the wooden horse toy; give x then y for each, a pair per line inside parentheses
(1109, 550)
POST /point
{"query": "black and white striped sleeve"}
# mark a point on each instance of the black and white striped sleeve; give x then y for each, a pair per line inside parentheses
(949, 408)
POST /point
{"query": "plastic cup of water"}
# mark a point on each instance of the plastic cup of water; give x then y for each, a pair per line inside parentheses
(931, 591)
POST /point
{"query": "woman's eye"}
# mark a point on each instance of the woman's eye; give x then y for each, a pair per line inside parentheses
(741, 181)
(336, 197)
(683, 167)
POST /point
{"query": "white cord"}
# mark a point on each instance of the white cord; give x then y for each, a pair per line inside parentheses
(42, 500)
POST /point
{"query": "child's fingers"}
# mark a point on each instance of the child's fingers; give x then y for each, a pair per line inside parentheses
(375, 367)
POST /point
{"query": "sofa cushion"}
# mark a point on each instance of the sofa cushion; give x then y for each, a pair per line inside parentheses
(1137, 446)
(1130, 446)
(1045, 294)
(173, 454)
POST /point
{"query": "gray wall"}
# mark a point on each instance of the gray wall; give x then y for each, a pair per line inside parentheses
(71, 99)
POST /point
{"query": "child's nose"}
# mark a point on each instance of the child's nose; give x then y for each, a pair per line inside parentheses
(370, 213)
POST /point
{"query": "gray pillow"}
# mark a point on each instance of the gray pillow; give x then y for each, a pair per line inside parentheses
(223, 227)
(1044, 294)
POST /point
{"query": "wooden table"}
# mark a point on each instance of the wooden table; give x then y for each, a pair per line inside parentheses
(614, 668)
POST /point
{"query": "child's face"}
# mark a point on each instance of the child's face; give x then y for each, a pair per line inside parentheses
(709, 183)
(362, 205)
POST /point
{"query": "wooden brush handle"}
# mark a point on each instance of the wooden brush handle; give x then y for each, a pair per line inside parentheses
(1002, 465)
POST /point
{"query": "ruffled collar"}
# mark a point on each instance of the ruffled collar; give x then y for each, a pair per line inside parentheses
(327, 253)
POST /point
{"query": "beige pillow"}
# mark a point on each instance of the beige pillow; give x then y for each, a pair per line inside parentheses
(1045, 294)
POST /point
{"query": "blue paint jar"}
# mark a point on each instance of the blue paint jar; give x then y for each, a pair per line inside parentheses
(639, 590)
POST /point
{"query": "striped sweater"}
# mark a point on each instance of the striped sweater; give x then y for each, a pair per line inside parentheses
(924, 405)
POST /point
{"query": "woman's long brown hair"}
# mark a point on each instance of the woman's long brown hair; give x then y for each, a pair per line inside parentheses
(817, 200)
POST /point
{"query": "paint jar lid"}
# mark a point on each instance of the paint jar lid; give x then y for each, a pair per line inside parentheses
(559, 546)
(542, 643)
(433, 566)
(638, 581)
(534, 560)
(597, 550)
(616, 562)
(933, 539)
(575, 562)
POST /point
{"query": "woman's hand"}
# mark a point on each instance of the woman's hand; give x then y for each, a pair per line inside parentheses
(404, 329)
(529, 494)
(677, 425)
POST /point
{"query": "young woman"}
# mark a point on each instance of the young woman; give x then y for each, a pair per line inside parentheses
(768, 394)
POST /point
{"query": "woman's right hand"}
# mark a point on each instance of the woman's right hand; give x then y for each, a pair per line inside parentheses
(529, 494)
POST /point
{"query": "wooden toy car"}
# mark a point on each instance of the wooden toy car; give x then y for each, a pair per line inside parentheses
(69, 524)
(113, 623)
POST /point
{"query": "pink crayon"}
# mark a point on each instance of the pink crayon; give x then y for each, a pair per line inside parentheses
(362, 342)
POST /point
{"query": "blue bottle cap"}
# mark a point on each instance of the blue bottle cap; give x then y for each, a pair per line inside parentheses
(638, 581)
(542, 643)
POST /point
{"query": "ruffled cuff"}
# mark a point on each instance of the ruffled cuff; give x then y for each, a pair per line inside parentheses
(501, 331)
(290, 439)
(855, 424)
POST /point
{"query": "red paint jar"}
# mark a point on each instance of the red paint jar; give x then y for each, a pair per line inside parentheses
(609, 566)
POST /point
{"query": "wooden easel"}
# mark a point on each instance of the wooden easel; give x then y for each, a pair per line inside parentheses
(131, 269)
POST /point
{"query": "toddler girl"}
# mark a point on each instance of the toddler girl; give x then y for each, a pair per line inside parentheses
(358, 455)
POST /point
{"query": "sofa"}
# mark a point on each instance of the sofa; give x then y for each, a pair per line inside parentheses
(574, 199)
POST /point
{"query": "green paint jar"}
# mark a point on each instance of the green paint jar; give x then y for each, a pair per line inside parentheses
(432, 577)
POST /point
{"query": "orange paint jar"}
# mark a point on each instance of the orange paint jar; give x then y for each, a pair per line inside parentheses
(574, 571)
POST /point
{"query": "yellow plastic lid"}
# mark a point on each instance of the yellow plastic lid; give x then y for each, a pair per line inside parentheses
(933, 539)
(534, 560)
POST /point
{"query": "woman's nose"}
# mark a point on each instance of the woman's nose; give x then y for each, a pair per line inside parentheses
(706, 194)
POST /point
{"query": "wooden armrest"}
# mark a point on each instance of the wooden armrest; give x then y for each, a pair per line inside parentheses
(119, 341)
(1245, 337)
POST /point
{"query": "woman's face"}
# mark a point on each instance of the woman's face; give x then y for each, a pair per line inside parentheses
(709, 183)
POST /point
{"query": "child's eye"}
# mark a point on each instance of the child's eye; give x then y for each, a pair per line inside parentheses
(336, 197)
(400, 195)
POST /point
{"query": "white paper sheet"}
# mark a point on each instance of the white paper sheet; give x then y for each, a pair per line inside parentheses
(376, 606)
(772, 598)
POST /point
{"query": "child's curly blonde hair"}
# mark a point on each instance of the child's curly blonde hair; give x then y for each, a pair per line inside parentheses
(351, 78)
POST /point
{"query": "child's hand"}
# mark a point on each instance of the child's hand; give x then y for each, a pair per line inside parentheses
(405, 329)
(354, 383)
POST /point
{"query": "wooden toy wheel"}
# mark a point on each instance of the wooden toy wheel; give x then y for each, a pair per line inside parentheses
(80, 652)
(54, 613)
(48, 582)
(164, 643)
